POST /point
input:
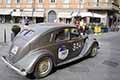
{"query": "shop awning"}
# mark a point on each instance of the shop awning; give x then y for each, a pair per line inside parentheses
(38, 14)
(75, 13)
(16, 14)
(5, 11)
(98, 15)
(27, 14)
(64, 15)
(85, 14)
(88, 14)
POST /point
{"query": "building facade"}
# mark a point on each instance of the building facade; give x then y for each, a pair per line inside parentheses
(109, 8)
(53, 10)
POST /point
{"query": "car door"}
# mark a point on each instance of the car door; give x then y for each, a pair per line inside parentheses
(76, 43)
(61, 44)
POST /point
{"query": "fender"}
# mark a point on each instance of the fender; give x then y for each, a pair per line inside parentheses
(88, 44)
(28, 62)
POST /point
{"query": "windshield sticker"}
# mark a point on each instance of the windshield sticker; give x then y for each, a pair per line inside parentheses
(63, 53)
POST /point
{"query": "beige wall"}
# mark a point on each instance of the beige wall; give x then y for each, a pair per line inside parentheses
(46, 4)
(74, 4)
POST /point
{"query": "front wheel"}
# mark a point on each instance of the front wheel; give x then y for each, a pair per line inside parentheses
(43, 67)
(94, 51)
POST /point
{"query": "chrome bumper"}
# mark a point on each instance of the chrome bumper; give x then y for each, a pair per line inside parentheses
(23, 73)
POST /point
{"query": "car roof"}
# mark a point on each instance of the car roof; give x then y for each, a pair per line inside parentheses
(51, 25)
(44, 28)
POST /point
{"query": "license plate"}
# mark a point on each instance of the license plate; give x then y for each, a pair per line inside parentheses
(14, 50)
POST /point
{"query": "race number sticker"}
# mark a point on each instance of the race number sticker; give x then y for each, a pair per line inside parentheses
(76, 46)
(63, 53)
(14, 50)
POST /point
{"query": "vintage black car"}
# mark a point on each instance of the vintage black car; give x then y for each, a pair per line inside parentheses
(43, 46)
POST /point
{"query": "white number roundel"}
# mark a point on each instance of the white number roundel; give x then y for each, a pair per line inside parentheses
(62, 53)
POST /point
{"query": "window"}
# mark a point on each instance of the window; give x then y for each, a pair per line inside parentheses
(8, 1)
(95, 20)
(97, 2)
(40, 1)
(66, 1)
(17, 1)
(81, 1)
(94, 0)
(74, 33)
(29, 1)
(62, 35)
(52, 1)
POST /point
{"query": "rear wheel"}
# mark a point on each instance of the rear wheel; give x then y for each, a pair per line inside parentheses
(94, 50)
(43, 67)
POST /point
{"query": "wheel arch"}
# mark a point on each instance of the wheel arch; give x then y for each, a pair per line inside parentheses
(95, 43)
(45, 53)
(88, 45)
(30, 60)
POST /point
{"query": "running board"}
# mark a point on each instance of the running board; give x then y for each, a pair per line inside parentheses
(71, 60)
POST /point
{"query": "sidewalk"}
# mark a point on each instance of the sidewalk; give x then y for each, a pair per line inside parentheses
(5, 29)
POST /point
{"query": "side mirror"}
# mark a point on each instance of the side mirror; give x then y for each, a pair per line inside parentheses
(86, 37)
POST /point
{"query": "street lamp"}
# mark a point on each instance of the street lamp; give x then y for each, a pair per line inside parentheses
(33, 8)
(45, 17)
(33, 11)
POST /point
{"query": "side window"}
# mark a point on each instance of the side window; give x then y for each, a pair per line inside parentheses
(62, 35)
(74, 33)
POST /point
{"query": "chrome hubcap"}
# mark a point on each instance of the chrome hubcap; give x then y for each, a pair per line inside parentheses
(44, 66)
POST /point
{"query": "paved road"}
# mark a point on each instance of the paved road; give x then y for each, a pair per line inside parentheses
(105, 66)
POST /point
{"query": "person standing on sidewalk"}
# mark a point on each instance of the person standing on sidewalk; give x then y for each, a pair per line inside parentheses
(77, 23)
(15, 30)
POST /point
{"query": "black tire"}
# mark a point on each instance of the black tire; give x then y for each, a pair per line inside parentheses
(43, 67)
(94, 50)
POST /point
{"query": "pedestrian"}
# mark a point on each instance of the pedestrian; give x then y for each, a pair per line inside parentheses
(22, 21)
(26, 25)
(61, 20)
(15, 30)
(77, 23)
(82, 27)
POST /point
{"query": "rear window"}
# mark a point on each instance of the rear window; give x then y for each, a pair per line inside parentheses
(31, 32)
(27, 33)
